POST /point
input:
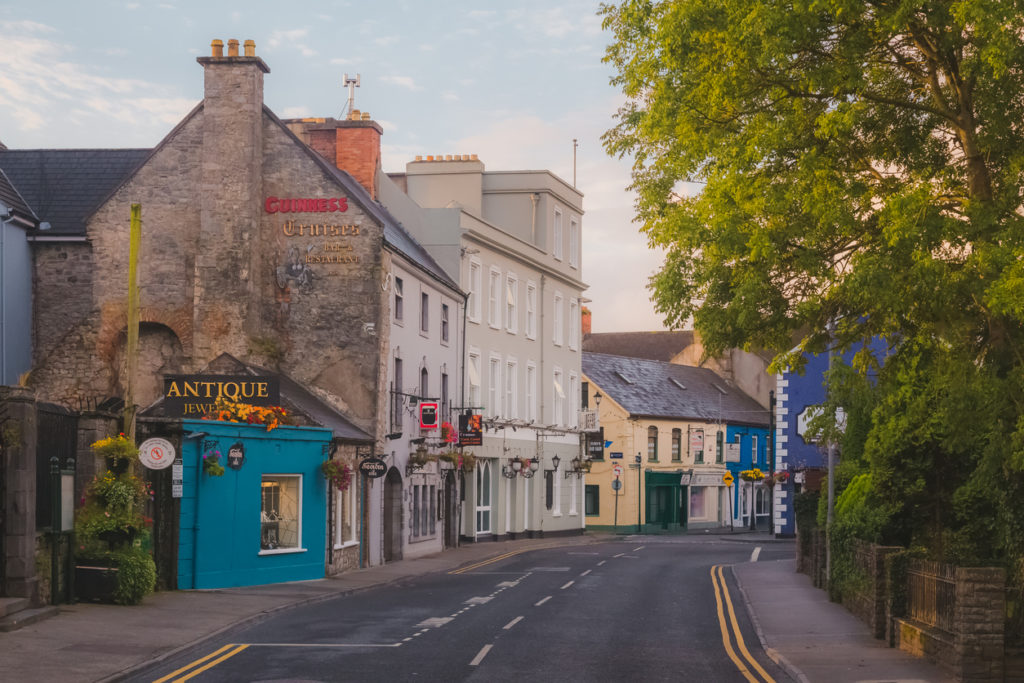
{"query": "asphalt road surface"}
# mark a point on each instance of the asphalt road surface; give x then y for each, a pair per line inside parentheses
(644, 608)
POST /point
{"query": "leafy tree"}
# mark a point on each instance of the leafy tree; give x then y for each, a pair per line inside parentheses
(861, 168)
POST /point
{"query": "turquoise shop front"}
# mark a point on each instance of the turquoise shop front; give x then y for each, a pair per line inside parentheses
(264, 519)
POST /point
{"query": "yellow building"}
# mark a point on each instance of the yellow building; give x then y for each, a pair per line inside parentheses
(662, 464)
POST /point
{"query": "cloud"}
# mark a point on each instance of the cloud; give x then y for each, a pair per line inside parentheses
(39, 85)
(387, 41)
(342, 61)
(293, 38)
(449, 96)
(295, 112)
(402, 81)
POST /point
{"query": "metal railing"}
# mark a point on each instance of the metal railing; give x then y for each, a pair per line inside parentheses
(931, 594)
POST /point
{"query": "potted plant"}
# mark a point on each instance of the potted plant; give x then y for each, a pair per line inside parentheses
(231, 411)
(111, 565)
(339, 474)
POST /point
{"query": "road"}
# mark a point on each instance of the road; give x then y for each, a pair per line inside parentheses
(644, 608)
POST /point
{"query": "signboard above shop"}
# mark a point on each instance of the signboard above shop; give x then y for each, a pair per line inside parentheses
(471, 431)
(195, 395)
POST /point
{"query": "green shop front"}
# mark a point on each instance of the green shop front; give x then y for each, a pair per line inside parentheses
(253, 504)
(666, 501)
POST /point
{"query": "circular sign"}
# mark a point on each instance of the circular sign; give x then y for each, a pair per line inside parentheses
(616, 485)
(156, 454)
(373, 468)
(727, 478)
(617, 470)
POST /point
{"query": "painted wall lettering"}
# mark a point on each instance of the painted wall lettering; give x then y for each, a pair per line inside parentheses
(305, 204)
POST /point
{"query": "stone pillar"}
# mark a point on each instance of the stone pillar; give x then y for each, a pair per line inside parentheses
(980, 620)
(228, 255)
(18, 430)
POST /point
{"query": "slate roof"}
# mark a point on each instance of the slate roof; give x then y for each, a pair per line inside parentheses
(648, 388)
(294, 398)
(64, 186)
(12, 198)
(652, 345)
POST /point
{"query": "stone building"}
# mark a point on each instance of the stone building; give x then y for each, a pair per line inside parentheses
(252, 245)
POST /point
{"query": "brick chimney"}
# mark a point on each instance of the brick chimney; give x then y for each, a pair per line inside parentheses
(353, 145)
(231, 159)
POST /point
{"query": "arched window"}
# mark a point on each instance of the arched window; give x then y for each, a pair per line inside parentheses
(652, 443)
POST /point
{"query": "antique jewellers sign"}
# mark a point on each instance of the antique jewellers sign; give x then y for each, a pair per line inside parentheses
(195, 395)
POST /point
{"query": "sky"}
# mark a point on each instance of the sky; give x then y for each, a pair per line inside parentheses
(512, 81)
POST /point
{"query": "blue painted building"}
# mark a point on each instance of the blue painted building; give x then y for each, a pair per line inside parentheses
(753, 452)
(262, 522)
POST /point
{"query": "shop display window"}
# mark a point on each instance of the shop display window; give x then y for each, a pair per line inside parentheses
(280, 512)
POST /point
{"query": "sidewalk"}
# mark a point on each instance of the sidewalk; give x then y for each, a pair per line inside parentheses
(817, 640)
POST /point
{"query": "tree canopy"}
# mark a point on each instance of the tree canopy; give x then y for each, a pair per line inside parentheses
(861, 163)
(861, 167)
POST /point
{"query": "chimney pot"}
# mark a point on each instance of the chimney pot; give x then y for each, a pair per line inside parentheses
(430, 157)
(448, 157)
(472, 157)
(217, 48)
(366, 116)
(419, 157)
(233, 48)
(250, 48)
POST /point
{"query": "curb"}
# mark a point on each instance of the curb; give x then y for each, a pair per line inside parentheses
(791, 669)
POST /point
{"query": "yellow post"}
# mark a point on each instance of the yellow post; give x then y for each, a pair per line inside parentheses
(132, 342)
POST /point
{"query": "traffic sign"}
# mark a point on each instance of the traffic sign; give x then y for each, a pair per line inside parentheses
(616, 484)
(727, 478)
(617, 470)
(156, 454)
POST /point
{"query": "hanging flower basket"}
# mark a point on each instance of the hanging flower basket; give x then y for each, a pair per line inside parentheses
(339, 474)
(777, 478)
(752, 475)
(463, 460)
(116, 449)
(448, 433)
(211, 464)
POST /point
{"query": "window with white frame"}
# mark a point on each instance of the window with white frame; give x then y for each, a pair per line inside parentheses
(557, 235)
(574, 324)
(473, 370)
(396, 396)
(531, 310)
(557, 398)
(399, 299)
(444, 323)
(424, 384)
(494, 386)
(424, 312)
(574, 243)
(344, 517)
(511, 303)
(574, 399)
(280, 512)
(475, 287)
(753, 449)
(483, 497)
(511, 408)
(494, 298)
(444, 394)
(558, 323)
(531, 392)
(424, 510)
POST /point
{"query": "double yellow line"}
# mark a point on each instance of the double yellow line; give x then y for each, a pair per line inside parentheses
(722, 595)
(484, 563)
(197, 667)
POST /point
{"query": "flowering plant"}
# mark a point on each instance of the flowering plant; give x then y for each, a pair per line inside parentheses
(449, 433)
(115, 448)
(752, 475)
(338, 473)
(230, 411)
(420, 457)
(211, 464)
(460, 459)
(777, 478)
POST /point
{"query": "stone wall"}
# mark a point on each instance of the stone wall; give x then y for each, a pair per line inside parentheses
(18, 459)
(868, 602)
(981, 620)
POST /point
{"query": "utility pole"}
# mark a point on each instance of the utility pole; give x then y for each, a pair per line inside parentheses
(831, 472)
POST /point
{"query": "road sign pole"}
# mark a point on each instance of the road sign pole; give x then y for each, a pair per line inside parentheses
(615, 492)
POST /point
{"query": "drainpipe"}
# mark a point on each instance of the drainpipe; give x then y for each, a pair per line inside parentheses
(7, 214)
(534, 198)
